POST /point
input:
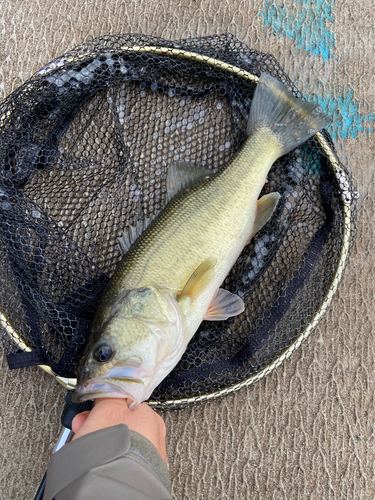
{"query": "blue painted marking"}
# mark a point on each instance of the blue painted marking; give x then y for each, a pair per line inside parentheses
(310, 24)
(307, 25)
(344, 110)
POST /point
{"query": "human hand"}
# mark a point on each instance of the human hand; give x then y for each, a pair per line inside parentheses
(112, 411)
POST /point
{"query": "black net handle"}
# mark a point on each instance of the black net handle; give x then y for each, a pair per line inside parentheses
(69, 412)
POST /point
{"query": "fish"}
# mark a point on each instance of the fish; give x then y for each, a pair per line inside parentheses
(169, 278)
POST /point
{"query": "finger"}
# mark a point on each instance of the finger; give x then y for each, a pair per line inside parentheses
(111, 400)
(79, 420)
(121, 403)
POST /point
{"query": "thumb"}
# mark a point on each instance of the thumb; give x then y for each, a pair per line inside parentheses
(79, 420)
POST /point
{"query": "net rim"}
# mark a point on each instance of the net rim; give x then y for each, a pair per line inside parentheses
(347, 213)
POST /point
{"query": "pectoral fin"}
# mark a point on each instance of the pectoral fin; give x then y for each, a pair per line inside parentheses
(265, 208)
(224, 306)
(199, 280)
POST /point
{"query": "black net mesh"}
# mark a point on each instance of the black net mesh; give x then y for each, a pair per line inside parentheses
(85, 149)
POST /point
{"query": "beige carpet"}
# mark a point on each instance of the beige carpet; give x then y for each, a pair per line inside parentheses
(307, 430)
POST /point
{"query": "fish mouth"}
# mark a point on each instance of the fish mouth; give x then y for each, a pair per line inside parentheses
(117, 383)
(107, 389)
(97, 389)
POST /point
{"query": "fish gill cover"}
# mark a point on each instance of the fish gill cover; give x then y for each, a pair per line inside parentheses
(86, 144)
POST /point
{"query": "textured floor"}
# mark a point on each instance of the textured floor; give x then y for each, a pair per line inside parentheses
(306, 431)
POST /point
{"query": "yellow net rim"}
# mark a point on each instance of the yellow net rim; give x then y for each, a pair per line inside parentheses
(70, 383)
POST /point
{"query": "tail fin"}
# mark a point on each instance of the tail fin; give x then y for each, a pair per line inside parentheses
(291, 119)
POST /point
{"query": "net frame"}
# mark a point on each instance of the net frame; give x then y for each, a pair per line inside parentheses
(348, 216)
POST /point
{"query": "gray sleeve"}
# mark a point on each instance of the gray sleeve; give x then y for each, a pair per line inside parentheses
(113, 463)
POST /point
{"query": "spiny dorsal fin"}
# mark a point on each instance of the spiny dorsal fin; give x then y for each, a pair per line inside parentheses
(265, 208)
(199, 280)
(181, 175)
(131, 234)
(224, 306)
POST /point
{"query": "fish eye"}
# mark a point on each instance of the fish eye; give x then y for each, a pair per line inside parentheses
(103, 353)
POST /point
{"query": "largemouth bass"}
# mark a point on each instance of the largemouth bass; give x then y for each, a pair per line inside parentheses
(169, 278)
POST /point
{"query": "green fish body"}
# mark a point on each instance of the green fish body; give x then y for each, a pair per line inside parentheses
(169, 279)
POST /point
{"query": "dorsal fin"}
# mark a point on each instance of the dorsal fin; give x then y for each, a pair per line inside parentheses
(131, 234)
(182, 175)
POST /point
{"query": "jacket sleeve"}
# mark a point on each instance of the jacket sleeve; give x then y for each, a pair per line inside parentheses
(113, 463)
